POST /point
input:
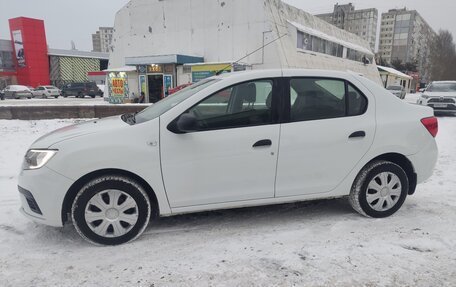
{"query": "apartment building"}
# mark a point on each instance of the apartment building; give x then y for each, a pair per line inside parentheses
(362, 23)
(406, 36)
(102, 39)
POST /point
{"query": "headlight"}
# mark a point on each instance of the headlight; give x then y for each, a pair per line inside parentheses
(425, 96)
(37, 158)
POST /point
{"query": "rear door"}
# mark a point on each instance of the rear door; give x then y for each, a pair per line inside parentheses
(330, 125)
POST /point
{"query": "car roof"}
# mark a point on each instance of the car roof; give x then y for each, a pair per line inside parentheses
(18, 86)
(443, 82)
(290, 72)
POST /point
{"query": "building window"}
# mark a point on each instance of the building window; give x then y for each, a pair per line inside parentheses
(313, 43)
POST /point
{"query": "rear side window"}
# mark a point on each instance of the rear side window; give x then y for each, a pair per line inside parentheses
(357, 102)
(316, 99)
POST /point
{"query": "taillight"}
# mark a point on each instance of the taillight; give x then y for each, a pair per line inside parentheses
(431, 124)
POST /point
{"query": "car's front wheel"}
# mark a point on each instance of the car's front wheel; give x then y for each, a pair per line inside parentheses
(111, 210)
(379, 189)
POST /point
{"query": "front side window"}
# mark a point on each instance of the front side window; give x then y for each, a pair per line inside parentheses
(242, 105)
(316, 99)
(169, 102)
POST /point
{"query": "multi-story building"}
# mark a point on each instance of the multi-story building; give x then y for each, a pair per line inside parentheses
(359, 22)
(102, 40)
(405, 36)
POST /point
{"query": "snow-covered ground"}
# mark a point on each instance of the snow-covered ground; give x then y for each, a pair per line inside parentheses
(322, 243)
(70, 101)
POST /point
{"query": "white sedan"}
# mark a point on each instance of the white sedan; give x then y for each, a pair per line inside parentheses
(46, 91)
(234, 140)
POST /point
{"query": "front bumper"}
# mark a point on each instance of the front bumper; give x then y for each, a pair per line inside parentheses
(440, 106)
(42, 192)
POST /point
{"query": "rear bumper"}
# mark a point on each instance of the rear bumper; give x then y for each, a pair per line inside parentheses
(42, 192)
(424, 161)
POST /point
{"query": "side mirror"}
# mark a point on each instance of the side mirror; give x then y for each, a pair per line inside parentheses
(421, 90)
(183, 124)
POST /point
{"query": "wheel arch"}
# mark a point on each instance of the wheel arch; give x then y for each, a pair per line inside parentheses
(78, 184)
(402, 161)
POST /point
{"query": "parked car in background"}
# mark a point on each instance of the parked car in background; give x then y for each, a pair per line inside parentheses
(101, 89)
(46, 91)
(82, 89)
(17, 92)
(441, 96)
(215, 145)
(398, 91)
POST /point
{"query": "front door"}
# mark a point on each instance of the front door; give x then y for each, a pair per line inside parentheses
(330, 128)
(233, 154)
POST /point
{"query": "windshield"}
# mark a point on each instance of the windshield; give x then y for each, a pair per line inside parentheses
(171, 101)
(442, 87)
(394, 88)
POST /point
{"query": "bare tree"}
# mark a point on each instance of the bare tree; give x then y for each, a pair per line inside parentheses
(443, 57)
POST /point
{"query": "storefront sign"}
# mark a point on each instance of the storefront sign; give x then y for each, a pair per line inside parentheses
(168, 83)
(142, 85)
(118, 87)
(200, 72)
(154, 69)
(19, 48)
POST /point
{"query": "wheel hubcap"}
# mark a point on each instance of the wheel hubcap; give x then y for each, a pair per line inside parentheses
(384, 191)
(111, 213)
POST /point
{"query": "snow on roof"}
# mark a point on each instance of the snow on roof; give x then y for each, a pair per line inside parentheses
(121, 69)
(333, 39)
(78, 54)
(394, 72)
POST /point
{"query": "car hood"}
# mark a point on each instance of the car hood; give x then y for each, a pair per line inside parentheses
(78, 130)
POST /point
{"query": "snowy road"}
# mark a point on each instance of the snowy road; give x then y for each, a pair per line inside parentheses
(321, 243)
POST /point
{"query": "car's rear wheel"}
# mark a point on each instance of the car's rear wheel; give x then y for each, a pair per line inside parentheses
(111, 210)
(379, 189)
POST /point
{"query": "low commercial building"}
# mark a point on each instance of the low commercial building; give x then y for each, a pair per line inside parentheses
(7, 67)
(393, 77)
(172, 42)
(68, 66)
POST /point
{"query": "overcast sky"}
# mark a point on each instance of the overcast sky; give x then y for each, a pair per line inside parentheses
(68, 21)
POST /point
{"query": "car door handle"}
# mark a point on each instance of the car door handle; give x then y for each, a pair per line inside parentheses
(358, 134)
(262, 143)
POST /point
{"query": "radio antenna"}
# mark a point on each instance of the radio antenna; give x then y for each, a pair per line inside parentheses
(262, 47)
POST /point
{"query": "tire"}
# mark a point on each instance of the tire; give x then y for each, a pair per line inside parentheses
(384, 199)
(56, 97)
(93, 97)
(108, 218)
